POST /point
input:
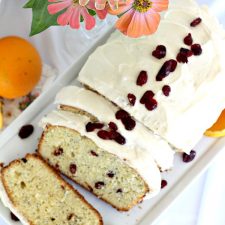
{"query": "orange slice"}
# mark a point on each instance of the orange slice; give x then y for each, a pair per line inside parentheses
(1, 115)
(218, 128)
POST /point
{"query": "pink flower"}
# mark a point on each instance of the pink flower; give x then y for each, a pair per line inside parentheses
(141, 17)
(73, 13)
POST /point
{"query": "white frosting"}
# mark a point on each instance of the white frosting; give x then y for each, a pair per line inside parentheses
(197, 88)
(138, 159)
(8, 204)
(104, 110)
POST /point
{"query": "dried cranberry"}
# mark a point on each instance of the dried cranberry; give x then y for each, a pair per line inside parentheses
(182, 58)
(103, 134)
(188, 40)
(166, 90)
(186, 51)
(188, 158)
(94, 153)
(13, 217)
(113, 134)
(92, 126)
(151, 104)
(24, 160)
(142, 78)
(196, 22)
(121, 114)
(73, 168)
(196, 49)
(129, 123)
(167, 68)
(25, 131)
(131, 99)
(110, 174)
(58, 151)
(147, 95)
(120, 139)
(119, 190)
(99, 185)
(159, 52)
(163, 183)
(112, 126)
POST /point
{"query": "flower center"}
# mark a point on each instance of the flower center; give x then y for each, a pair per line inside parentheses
(142, 5)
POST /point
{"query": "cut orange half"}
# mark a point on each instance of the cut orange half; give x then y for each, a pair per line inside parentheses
(218, 128)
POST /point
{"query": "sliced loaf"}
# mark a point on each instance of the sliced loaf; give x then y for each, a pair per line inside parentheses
(37, 195)
(106, 175)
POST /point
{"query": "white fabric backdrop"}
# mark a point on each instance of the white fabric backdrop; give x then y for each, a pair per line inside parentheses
(203, 202)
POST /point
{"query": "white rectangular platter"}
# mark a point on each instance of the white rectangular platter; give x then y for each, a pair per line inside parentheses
(12, 147)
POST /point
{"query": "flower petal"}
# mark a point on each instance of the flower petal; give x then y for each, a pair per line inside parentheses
(64, 18)
(83, 2)
(75, 18)
(160, 5)
(57, 7)
(88, 19)
(152, 19)
(100, 4)
(122, 7)
(114, 4)
(143, 24)
(101, 13)
(124, 21)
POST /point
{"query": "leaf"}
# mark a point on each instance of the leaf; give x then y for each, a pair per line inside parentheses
(29, 4)
(91, 12)
(42, 20)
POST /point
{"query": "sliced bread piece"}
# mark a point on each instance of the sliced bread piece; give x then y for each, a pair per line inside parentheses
(37, 195)
(99, 109)
(99, 171)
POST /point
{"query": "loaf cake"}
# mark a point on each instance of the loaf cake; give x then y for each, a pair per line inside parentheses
(117, 173)
(75, 99)
(37, 195)
(175, 76)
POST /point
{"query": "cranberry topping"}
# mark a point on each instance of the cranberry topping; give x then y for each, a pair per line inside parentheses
(110, 174)
(196, 49)
(188, 40)
(151, 104)
(159, 52)
(163, 183)
(167, 68)
(113, 126)
(99, 184)
(25, 131)
(58, 151)
(142, 78)
(166, 90)
(94, 153)
(131, 99)
(73, 168)
(188, 158)
(129, 123)
(13, 217)
(121, 114)
(103, 134)
(119, 190)
(182, 58)
(92, 126)
(147, 95)
(196, 22)
(186, 51)
(120, 139)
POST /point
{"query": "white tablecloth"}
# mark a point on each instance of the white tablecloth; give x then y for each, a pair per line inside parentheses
(203, 202)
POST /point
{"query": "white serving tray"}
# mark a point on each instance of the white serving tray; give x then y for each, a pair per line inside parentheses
(12, 147)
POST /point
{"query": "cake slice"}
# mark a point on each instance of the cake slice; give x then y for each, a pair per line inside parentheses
(37, 195)
(179, 89)
(99, 109)
(117, 173)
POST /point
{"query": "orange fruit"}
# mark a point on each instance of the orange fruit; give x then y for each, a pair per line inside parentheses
(218, 129)
(20, 67)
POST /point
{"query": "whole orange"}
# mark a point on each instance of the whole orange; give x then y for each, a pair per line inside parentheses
(20, 67)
